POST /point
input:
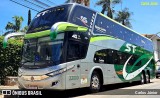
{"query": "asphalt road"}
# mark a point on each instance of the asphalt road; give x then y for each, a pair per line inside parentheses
(126, 90)
(123, 90)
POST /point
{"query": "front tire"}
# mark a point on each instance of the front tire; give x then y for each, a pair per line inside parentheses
(95, 83)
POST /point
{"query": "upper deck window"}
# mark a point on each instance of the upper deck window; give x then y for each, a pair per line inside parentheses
(104, 26)
(45, 19)
(82, 16)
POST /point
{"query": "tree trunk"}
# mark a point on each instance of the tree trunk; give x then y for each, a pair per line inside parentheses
(29, 17)
(123, 23)
(109, 13)
(103, 10)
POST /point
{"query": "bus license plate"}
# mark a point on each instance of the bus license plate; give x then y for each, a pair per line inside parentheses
(32, 87)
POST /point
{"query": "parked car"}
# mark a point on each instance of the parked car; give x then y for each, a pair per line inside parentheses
(157, 71)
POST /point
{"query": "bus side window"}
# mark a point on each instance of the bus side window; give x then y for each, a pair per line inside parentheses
(109, 58)
(73, 52)
(100, 56)
(133, 60)
(139, 63)
(152, 63)
(77, 45)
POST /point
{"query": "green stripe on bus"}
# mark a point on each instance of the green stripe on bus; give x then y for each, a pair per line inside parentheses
(70, 27)
(98, 38)
(37, 34)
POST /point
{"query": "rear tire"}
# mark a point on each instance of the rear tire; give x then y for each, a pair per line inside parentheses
(142, 81)
(147, 78)
(95, 83)
(157, 77)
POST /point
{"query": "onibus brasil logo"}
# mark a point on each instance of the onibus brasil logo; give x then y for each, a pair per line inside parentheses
(129, 76)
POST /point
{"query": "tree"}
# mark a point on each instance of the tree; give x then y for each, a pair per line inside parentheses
(10, 58)
(77, 1)
(24, 29)
(106, 6)
(29, 17)
(85, 2)
(14, 27)
(10, 26)
(124, 17)
(67, 1)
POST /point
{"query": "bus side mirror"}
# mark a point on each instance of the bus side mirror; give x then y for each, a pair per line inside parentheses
(65, 26)
(5, 40)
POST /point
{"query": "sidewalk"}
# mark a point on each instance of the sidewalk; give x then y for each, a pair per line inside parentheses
(2, 87)
(8, 87)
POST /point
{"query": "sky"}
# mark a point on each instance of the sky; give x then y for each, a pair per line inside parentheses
(145, 18)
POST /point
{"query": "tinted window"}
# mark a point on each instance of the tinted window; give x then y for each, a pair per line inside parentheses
(81, 37)
(42, 53)
(108, 27)
(82, 16)
(45, 19)
(100, 56)
(77, 45)
(110, 56)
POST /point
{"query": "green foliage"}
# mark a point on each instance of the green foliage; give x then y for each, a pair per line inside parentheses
(67, 1)
(16, 25)
(124, 17)
(108, 5)
(10, 58)
(24, 29)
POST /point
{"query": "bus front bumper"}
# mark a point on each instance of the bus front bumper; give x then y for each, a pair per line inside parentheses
(49, 83)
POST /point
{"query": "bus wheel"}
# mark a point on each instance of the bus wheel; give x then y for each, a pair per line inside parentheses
(95, 83)
(142, 79)
(157, 77)
(147, 78)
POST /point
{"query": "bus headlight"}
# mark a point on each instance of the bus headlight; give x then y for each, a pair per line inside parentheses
(57, 72)
(35, 78)
(19, 72)
(43, 77)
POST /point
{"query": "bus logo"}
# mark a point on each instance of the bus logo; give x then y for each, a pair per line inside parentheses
(130, 48)
(129, 76)
(32, 78)
(83, 20)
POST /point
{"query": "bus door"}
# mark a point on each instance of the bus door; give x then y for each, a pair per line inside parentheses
(73, 65)
(76, 51)
(73, 74)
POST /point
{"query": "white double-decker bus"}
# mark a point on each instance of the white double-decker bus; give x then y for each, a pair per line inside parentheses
(71, 46)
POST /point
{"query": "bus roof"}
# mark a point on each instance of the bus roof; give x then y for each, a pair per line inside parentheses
(102, 15)
(115, 28)
(99, 24)
(124, 26)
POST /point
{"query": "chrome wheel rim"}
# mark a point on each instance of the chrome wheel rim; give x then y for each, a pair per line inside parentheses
(147, 78)
(95, 82)
(142, 79)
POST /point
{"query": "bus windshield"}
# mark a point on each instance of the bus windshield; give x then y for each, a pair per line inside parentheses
(45, 19)
(42, 54)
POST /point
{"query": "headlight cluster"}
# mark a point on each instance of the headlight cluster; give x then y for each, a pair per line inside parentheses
(35, 78)
(19, 72)
(57, 72)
